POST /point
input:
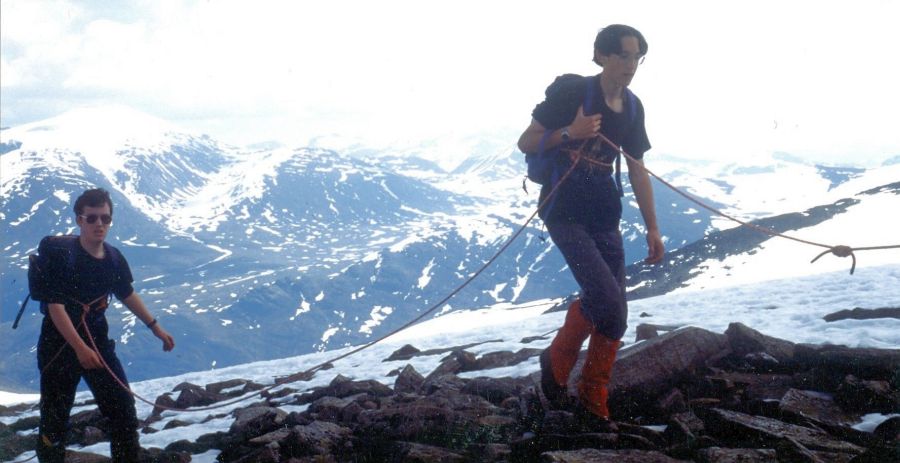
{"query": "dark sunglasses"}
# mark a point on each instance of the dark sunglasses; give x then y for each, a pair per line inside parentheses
(106, 219)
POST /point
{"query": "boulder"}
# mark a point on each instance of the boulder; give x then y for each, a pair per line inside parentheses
(158, 455)
(867, 396)
(195, 396)
(256, 421)
(763, 386)
(501, 359)
(494, 390)
(85, 457)
(407, 352)
(888, 432)
(26, 424)
(683, 428)
(840, 361)
(756, 431)
(606, 456)
(404, 353)
(91, 435)
(652, 367)
(447, 418)
(342, 386)
(730, 455)
(409, 380)
(317, 438)
(789, 449)
(91, 417)
(176, 424)
(745, 340)
(645, 331)
(863, 314)
(331, 408)
(237, 387)
(163, 402)
(438, 382)
(413, 452)
(277, 435)
(217, 388)
(460, 360)
(817, 406)
(13, 444)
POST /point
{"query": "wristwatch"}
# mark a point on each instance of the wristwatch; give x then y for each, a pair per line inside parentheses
(565, 134)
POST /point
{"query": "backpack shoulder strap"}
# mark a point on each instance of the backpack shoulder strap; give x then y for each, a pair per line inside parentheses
(114, 256)
(631, 109)
(72, 246)
(631, 105)
(591, 84)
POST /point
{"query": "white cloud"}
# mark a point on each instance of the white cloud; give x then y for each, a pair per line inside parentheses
(735, 79)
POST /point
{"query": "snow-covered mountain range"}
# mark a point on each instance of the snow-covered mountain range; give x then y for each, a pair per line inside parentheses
(254, 254)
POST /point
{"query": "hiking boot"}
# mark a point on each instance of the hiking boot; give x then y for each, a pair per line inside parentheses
(595, 374)
(48, 451)
(558, 359)
(556, 395)
(591, 422)
(125, 447)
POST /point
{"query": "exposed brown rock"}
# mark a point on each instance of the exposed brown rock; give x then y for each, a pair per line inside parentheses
(817, 406)
(413, 452)
(863, 314)
(757, 431)
(716, 407)
(196, 396)
(863, 363)
(409, 380)
(256, 421)
(867, 396)
(604, 456)
(729, 455)
(654, 366)
(745, 340)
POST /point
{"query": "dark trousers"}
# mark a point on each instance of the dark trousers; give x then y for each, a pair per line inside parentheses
(597, 260)
(59, 380)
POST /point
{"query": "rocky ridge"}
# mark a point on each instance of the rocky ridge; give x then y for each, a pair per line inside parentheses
(686, 395)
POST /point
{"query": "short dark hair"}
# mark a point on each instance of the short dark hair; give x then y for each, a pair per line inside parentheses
(93, 198)
(609, 39)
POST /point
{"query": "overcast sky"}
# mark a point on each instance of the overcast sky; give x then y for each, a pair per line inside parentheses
(722, 79)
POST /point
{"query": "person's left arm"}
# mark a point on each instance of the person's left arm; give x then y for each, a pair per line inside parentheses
(136, 305)
(643, 193)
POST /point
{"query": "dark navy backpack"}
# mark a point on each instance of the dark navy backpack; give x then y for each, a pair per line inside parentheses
(40, 285)
(543, 166)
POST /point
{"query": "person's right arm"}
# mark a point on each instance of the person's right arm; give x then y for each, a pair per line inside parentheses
(581, 128)
(86, 356)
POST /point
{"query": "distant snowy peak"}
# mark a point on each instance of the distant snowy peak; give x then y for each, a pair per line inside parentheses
(106, 137)
(150, 161)
(448, 152)
(92, 128)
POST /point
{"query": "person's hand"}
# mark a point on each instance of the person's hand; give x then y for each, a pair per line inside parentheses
(655, 247)
(167, 339)
(584, 127)
(88, 359)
